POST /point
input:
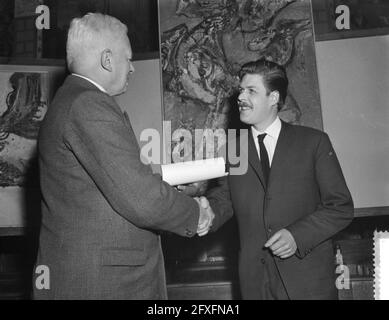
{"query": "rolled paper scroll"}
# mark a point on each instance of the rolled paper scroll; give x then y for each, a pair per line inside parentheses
(193, 171)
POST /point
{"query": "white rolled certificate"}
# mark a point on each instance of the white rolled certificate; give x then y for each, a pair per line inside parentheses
(193, 171)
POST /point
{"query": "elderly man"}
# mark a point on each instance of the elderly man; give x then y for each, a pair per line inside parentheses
(102, 207)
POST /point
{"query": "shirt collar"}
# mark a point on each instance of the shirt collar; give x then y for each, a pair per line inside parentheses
(273, 130)
(91, 81)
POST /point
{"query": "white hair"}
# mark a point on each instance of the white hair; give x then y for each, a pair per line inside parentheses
(90, 35)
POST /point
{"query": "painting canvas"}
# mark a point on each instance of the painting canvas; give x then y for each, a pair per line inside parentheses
(23, 104)
(204, 44)
(6, 28)
(365, 18)
(25, 94)
(140, 17)
(25, 8)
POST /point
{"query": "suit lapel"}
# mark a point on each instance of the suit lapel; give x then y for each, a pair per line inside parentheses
(254, 159)
(129, 126)
(127, 120)
(281, 157)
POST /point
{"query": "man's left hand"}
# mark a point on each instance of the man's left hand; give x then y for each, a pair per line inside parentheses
(206, 216)
(282, 244)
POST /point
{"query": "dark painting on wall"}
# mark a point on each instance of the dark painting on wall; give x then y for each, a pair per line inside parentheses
(204, 44)
(6, 27)
(140, 16)
(17, 19)
(364, 18)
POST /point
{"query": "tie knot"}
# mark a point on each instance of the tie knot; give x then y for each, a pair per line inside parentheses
(261, 137)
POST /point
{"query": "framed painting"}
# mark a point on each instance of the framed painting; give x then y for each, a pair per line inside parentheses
(25, 95)
(20, 38)
(140, 16)
(363, 18)
(25, 8)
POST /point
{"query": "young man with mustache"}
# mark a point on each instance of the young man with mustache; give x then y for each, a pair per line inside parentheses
(290, 202)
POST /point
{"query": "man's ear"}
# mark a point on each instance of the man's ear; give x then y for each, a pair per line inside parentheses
(106, 59)
(275, 97)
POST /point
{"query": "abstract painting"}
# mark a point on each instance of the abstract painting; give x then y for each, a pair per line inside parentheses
(23, 104)
(364, 18)
(25, 93)
(204, 44)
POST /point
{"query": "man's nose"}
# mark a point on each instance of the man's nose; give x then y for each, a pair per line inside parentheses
(241, 96)
(132, 68)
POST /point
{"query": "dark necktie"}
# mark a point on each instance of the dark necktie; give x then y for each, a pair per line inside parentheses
(264, 157)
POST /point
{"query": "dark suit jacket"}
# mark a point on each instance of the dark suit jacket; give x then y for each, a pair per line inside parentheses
(101, 204)
(306, 194)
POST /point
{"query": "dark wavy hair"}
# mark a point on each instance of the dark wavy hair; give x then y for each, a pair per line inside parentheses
(274, 77)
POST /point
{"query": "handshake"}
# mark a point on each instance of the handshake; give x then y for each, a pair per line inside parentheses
(206, 216)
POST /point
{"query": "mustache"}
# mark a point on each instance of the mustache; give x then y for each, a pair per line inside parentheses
(243, 104)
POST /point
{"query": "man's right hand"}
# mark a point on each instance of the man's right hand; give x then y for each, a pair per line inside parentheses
(195, 189)
(206, 216)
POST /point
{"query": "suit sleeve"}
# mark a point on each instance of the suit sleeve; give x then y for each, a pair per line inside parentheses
(220, 200)
(336, 208)
(99, 138)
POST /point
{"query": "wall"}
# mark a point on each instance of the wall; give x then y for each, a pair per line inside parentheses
(354, 89)
(142, 101)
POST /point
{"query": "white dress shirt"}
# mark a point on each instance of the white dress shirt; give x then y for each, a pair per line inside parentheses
(271, 138)
(91, 81)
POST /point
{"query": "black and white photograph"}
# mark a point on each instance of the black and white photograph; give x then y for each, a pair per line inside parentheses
(210, 152)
